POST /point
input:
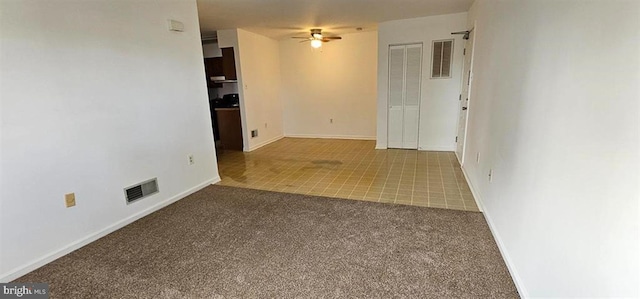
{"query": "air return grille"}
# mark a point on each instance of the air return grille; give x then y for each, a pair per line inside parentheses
(141, 190)
(441, 60)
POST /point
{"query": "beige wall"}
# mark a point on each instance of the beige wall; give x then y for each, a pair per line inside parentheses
(258, 70)
(336, 82)
(260, 85)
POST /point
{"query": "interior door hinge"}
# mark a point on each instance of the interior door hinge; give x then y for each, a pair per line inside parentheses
(456, 138)
(464, 52)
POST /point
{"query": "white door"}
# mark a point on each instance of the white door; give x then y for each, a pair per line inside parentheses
(396, 95)
(405, 68)
(465, 93)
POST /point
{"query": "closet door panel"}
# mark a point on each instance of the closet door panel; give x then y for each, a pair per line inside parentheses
(412, 96)
(396, 96)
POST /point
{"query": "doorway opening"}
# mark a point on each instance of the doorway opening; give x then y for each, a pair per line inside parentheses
(224, 100)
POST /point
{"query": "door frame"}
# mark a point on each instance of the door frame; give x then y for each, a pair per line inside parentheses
(404, 87)
(461, 158)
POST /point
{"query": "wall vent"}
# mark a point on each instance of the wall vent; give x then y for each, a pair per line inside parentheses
(441, 60)
(141, 190)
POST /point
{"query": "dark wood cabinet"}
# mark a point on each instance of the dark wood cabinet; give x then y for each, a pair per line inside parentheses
(216, 67)
(220, 66)
(229, 64)
(230, 128)
(212, 68)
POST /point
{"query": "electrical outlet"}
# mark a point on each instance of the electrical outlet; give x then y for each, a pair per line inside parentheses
(331, 120)
(265, 125)
(490, 175)
(70, 200)
(254, 133)
(191, 161)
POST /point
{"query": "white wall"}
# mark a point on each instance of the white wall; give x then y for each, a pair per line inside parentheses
(554, 113)
(335, 82)
(258, 70)
(96, 96)
(439, 97)
(211, 49)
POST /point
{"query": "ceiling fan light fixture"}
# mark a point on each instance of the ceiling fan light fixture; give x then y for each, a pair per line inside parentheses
(317, 39)
(316, 43)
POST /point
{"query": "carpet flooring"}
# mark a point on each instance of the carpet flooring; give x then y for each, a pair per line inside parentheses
(225, 242)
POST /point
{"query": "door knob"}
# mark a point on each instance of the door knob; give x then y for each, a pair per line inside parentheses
(464, 108)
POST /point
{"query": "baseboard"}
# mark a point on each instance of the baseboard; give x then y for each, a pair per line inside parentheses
(474, 191)
(261, 144)
(425, 148)
(355, 137)
(496, 236)
(437, 148)
(22, 270)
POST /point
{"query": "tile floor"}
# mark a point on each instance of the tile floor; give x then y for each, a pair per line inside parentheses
(350, 169)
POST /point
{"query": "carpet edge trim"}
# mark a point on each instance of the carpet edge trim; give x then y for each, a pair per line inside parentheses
(56, 254)
(325, 136)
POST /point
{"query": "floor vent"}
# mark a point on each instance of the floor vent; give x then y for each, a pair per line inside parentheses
(141, 190)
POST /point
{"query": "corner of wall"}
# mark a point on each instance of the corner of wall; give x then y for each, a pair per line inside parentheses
(522, 291)
(261, 144)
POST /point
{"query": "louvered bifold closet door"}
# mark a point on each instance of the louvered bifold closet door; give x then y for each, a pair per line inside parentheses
(396, 95)
(405, 68)
(412, 96)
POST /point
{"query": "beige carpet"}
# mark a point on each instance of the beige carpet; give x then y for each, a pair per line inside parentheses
(225, 242)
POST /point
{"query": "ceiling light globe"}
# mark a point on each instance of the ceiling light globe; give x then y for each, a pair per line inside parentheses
(316, 43)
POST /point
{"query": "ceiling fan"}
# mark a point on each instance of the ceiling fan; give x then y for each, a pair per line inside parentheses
(317, 38)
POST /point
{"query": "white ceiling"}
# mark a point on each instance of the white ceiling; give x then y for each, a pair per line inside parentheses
(284, 18)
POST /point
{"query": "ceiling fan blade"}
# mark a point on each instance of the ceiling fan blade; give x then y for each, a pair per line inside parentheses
(326, 40)
(304, 41)
(331, 37)
(305, 37)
